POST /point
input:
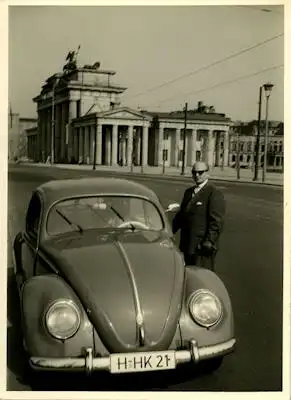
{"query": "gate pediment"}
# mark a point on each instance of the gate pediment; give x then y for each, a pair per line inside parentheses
(124, 113)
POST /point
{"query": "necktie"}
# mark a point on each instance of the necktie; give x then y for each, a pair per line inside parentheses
(196, 190)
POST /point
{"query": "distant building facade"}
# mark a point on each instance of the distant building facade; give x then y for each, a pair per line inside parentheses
(243, 138)
(17, 137)
(81, 118)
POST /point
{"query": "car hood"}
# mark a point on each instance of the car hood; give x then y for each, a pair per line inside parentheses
(130, 283)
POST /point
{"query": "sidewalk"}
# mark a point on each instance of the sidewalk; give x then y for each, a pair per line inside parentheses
(227, 174)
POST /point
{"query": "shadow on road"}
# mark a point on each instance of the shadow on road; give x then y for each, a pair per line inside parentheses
(103, 381)
(15, 353)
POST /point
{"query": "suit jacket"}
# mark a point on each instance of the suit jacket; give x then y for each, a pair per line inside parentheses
(200, 218)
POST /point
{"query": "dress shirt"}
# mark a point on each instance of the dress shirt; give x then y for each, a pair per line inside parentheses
(199, 187)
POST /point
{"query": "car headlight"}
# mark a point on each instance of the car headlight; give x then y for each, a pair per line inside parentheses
(63, 319)
(205, 308)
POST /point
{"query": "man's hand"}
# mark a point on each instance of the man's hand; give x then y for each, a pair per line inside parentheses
(208, 248)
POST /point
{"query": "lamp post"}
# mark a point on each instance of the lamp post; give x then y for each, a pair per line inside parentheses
(238, 153)
(257, 145)
(268, 88)
(184, 139)
(53, 125)
(95, 144)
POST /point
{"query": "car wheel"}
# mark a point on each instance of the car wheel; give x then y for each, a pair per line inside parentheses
(212, 365)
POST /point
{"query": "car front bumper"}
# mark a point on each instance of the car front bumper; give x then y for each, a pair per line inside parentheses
(88, 363)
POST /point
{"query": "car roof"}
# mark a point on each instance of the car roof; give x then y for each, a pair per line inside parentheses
(57, 189)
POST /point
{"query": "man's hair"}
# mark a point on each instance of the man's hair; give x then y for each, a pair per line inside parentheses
(206, 165)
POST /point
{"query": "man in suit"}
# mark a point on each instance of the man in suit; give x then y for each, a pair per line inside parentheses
(200, 219)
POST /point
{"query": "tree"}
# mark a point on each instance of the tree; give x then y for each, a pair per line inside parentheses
(280, 129)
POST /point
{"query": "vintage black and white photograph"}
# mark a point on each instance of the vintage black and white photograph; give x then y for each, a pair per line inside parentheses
(145, 211)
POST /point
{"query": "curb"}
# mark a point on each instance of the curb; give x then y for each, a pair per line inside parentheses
(145, 175)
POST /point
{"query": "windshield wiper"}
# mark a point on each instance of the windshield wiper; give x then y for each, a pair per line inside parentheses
(122, 219)
(76, 226)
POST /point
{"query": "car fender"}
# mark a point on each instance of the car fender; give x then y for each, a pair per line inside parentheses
(36, 295)
(201, 278)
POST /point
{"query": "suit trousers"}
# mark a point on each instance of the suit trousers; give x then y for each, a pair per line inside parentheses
(200, 260)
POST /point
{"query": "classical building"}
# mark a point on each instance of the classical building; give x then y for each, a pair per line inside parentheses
(81, 119)
(17, 137)
(243, 137)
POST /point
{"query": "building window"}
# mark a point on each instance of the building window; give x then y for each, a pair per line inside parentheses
(248, 158)
(181, 155)
(233, 158)
(241, 157)
(280, 147)
(241, 146)
(199, 136)
(78, 108)
(233, 146)
(278, 161)
(263, 148)
(249, 146)
(275, 148)
(198, 155)
(166, 135)
(165, 155)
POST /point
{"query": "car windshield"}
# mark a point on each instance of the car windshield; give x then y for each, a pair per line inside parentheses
(81, 214)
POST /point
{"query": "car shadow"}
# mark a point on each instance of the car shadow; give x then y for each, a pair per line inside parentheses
(15, 356)
(104, 381)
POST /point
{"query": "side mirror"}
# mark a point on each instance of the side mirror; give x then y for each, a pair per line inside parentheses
(173, 207)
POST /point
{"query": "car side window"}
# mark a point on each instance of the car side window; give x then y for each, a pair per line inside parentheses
(33, 215)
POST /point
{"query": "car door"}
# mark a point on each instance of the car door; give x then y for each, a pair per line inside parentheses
(26, 243)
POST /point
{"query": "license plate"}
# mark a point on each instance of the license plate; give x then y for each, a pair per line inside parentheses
(141, 362)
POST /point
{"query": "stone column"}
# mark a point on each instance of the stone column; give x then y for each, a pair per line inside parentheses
(210, 148)
(160, 145)
(129, 145)
(145, 145)
(61, 133)
(86, 145)
(123, 151)
(47, 134)
(177, 147)
(81, 144)
(138, 147)
(72, 113)
(193, 146)
(188, 155)
(226, 148)
(114, 139)
(107, 147)
(58, 138)
(78, 140)
(43, 141)
(91, 144)
(74, 142)
(217, 149)
(40, 135)
(99, 145)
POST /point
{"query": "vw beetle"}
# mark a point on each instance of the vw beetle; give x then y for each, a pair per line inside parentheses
(102, 285)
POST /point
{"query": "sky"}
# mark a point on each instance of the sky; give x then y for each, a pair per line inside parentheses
(161, 54)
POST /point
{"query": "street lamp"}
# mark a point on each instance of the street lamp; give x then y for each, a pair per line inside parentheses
(257, 145)
(53, 126)
(268, 88)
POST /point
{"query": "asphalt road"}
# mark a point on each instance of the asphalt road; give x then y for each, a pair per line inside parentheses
(250, 263)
